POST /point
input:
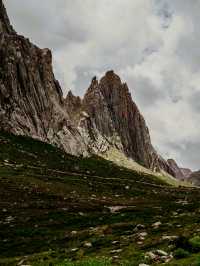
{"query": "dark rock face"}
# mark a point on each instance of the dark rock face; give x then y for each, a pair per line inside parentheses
(186, 172)
(113, 113)
(31, 101)
(176, 169)
(32, 104)
(180, 173)
(73, 105)
(5, 26)
(195, 178)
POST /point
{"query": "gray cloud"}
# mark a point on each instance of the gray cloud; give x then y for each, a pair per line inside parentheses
(152, 44)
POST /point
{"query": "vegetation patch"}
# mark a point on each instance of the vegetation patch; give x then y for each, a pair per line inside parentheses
(57, 209)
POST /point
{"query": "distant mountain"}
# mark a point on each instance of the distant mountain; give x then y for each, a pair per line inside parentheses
(195, 178)
(180, 173)
(32, 104)
(186, 172)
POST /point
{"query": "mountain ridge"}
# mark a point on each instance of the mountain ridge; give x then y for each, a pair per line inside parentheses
(32, 104)
(180, 173)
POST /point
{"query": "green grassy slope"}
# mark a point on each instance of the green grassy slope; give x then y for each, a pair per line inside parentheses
(120, 159)
(56, 208)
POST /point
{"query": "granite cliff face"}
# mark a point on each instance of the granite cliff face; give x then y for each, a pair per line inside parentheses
(32, 104)
(31, 101)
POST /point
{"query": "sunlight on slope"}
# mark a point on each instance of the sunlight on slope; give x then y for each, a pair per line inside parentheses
(120, 159)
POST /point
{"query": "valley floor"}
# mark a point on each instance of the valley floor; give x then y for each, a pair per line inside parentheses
(57, 209)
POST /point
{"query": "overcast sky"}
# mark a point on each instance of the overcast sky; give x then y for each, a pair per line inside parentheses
(154, 45)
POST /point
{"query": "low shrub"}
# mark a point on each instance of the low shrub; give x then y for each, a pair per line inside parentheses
(195, 243)
(180, 253)
(197, 261)
(182, 242)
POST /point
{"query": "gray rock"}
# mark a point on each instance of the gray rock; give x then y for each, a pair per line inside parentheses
(116, 251)
(161, 253)
(169, 238)
(151, 255)
(88, 244)
(74, 249)
(32, 104)
(143, 234)
(140, 226)
(156, 225)
(74, 233)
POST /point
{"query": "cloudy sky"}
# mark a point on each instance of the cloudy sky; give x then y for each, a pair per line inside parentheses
(154, 45)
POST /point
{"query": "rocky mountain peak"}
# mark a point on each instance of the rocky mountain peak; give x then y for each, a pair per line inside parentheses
(72, 98)
(94, 81)
(111, 84)
(72, 104)
(32, 103)
(116, 117)
(5, 26)
(111, 78)
(93, 86)
(176, 169)
(31, 99)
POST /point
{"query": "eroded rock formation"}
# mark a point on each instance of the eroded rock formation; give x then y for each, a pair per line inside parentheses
(31, 101)
(179, 173)
(111, 113)
(32, 104)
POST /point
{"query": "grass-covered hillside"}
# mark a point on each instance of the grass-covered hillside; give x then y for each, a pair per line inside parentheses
(56, 209)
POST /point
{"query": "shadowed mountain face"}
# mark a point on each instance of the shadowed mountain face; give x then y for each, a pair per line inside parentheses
(31, 101)
(179, 173)
(5, 26)
(110, 118)
(195, 178)
(32, 104)
(186, 172)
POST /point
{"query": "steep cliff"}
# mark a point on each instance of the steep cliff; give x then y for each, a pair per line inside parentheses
(194, 178)
(176, 169)
(179, 173)
(31, 101)
(186, 172)
(5, 26)
(112, 119)
(32, 104)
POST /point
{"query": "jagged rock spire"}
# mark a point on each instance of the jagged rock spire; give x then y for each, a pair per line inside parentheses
(113, 113)
(31, 103)
(5, 26)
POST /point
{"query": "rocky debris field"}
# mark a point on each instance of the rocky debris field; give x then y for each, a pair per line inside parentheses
(57, 209)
